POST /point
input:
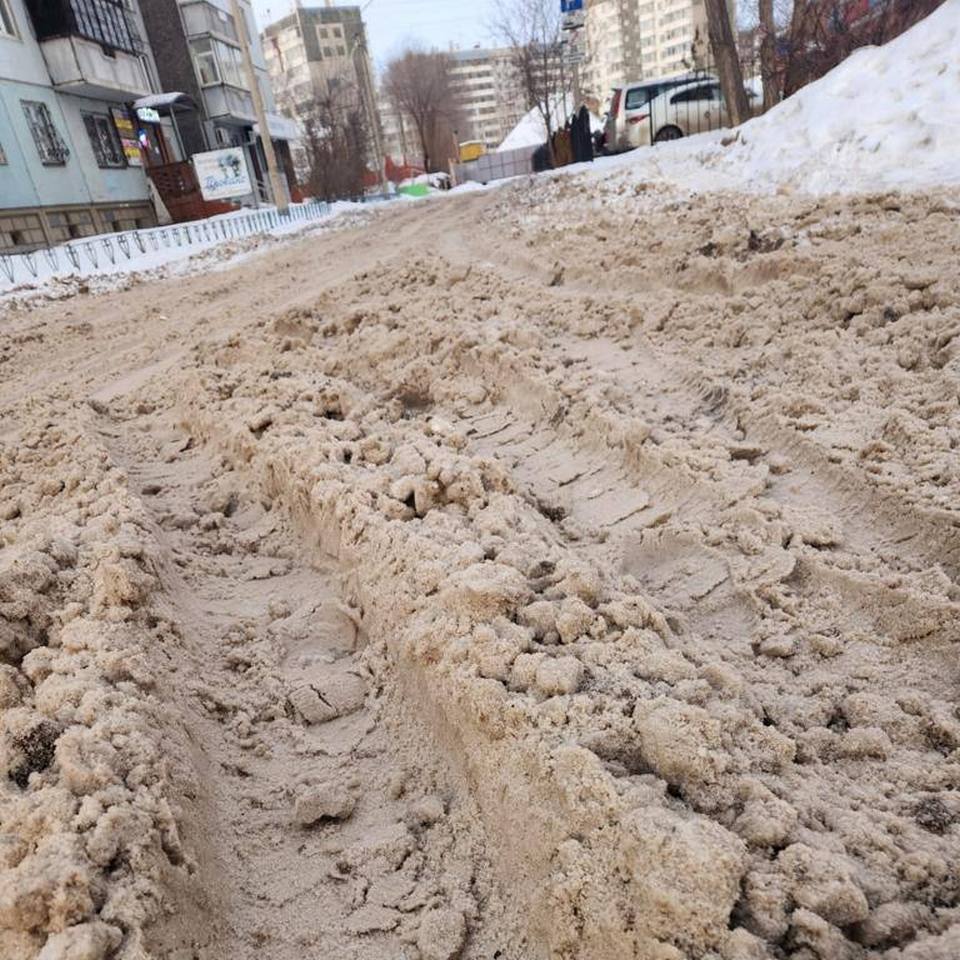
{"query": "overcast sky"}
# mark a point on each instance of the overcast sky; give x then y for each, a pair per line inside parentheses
(393, 23)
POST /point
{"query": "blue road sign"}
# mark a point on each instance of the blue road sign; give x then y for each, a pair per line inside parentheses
(571, 6)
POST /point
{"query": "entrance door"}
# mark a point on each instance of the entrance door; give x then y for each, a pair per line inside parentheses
(155, 146)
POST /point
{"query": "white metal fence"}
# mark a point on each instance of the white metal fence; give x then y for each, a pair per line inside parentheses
(130, 249)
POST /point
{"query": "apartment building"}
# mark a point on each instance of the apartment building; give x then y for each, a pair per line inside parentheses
(319, 55)
(199, 59)
(489, 93)
(631, 40)
(400, 141)
(71, 163)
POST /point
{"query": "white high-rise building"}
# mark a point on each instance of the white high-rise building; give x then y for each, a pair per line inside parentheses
(319, 56)
(630, 40)
(489, 92)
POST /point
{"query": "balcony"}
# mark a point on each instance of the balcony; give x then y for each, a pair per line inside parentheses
(91, 48)
(203, 18)
(228, 104)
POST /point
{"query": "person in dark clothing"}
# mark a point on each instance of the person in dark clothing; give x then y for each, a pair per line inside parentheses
(542, 158)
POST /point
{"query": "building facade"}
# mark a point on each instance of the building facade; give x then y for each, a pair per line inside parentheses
(629, 40)
(70, 162)
(319, 63)
(490, 102)
(400, 142)
(199, 59)
(489, 93)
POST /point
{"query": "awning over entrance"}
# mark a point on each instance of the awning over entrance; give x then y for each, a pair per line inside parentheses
(281, 128)
(165, 101)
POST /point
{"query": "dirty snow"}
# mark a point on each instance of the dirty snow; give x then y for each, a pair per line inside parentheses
(411, 606)
(503, 576)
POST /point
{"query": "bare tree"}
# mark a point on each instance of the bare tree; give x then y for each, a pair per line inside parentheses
(727, 62)
(419, 85)
(335, 141)
(532, 30)
(819, 34)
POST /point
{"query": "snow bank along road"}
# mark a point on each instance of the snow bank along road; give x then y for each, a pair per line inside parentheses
(404, 593)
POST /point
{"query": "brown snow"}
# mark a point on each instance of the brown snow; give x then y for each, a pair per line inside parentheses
(520, 575)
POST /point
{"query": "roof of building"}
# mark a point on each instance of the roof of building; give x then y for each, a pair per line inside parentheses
(321, 14)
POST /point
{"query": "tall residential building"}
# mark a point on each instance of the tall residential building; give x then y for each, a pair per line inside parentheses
(200, 63)
(70, 158)
(489, 92)
(319, 56)
(631, 40)
(400, 141)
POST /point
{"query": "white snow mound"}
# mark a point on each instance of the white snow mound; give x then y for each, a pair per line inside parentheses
(886, 118)
(531, 130)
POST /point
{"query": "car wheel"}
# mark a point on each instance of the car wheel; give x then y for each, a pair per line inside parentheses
(668, 133)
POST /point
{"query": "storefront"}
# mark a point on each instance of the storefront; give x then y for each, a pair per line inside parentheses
(157, 133)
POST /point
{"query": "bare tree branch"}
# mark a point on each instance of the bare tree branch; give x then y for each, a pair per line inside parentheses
(419, 85)
(822, 33)
(531, 29)
(335, 141)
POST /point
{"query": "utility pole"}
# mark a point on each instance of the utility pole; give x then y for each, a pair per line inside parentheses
(370, 99)
(276, 182)
(728, 63)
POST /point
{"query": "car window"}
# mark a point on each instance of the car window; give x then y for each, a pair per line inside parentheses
(641, 96)
(706, 91)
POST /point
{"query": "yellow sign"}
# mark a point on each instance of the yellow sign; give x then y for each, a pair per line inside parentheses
(128, 137)
(471, 150)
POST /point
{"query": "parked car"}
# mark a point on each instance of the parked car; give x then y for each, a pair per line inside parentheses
(627, 115)
(686, 110)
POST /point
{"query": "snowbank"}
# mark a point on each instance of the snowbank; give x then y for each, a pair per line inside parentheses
(531, 131)
(886, 118)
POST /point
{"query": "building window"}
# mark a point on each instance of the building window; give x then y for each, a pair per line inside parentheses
(7, 26)
(341, 51)
(206, 62)
(231, 64)
(103, 21)
(104, 140)
(323, 32)
(53, 151)
(218, 62)
(3, 156)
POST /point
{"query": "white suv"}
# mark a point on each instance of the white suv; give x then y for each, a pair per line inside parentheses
(628, 121)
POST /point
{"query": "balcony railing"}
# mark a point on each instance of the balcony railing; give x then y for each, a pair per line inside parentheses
(101, 21)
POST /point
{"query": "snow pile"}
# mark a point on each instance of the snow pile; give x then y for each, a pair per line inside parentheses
(531, 131)
(886, 118)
